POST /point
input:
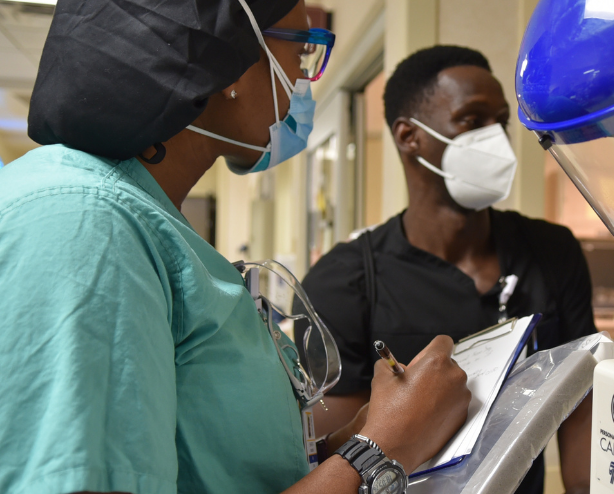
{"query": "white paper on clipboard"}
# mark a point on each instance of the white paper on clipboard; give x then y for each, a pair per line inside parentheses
(486, 357)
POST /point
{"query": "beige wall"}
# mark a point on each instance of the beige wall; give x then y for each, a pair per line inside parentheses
(13, 147)
(285, 209)
(566, 205)
(410, 25)
(374, 152)
(490, 27)
(233, 212)
(6, 152)
(373, 179)
(351, 19)
(208, 183)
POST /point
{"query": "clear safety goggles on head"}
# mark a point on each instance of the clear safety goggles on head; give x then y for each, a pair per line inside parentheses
(584, 147)
(274, 289)
(316, 53)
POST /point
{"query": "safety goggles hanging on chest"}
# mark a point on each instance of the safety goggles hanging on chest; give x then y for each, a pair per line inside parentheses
(280, 297)
(274, 289)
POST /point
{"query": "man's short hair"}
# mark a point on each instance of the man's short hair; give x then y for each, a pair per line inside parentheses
(416, 76)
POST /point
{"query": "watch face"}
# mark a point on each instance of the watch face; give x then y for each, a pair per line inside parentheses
(388, 481)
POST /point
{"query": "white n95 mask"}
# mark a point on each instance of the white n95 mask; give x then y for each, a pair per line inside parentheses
(478, 166)
(288, 136)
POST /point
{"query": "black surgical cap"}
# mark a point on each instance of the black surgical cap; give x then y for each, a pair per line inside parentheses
(117, 76)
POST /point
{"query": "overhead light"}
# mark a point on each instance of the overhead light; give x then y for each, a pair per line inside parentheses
(35, 2)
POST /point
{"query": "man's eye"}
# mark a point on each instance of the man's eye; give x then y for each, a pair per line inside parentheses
(470, 122)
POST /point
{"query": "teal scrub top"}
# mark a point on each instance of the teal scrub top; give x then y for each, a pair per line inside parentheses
(132, 358)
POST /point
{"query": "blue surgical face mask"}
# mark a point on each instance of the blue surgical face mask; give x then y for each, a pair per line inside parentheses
(288, 136)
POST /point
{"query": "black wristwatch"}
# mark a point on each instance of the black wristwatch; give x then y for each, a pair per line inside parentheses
(380, 475)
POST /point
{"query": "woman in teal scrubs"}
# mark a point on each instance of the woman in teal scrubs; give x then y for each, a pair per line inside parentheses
(132, 358)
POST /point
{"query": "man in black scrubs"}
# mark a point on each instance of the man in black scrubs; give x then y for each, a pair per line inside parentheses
(449, 262)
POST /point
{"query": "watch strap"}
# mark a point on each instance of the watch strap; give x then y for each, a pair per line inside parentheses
(360, 455)
(347, 447)
(371, 443)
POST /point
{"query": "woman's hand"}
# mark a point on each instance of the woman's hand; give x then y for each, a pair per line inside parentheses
(411, 416)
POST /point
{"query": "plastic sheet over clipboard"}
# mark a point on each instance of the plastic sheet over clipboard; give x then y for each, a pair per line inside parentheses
(477, 474)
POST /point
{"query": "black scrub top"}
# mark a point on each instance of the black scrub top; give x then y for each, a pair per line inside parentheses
(419, 295)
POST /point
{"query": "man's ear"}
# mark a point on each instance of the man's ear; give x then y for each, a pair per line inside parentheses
(404, 133)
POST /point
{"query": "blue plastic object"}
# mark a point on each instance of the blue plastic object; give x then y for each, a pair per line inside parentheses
(315, 36)
(565, 70)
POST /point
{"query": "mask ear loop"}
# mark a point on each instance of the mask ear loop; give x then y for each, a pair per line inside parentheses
(226, 139)
(436, 135)
(283, 78)
(275, 66)
(275, 101)
(434, 169)
(281, 75)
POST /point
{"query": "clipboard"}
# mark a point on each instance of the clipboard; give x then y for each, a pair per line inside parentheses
(480, 355)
